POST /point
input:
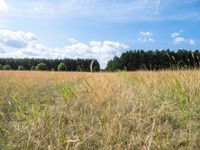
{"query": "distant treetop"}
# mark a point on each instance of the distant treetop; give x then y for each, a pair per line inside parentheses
(49, 64)
(155, 60)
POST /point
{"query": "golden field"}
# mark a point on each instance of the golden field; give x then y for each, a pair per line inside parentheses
(123, 110)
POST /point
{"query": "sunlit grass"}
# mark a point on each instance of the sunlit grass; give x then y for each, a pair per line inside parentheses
(135, 110)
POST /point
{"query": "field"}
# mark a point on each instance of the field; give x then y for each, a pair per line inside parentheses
(123, 110)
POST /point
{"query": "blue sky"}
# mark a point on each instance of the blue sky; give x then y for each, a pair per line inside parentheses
(97, 29)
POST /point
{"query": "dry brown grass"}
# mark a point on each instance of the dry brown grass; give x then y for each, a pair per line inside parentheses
(139, 110)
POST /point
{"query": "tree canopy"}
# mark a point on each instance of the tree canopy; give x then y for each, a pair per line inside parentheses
(52, 64)
(154, 60)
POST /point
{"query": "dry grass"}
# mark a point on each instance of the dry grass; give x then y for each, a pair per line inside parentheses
(141, 110)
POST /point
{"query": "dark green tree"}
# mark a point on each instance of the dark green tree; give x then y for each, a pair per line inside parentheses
(1, 67)
(155, 60)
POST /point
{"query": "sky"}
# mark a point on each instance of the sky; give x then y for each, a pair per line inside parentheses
(99, 29)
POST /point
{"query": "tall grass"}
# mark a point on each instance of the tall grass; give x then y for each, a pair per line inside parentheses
(139, 110)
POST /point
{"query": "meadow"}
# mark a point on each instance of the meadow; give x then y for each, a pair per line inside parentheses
(122, 110)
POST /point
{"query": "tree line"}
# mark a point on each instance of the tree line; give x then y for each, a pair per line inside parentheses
(130, 61)
(155, 60)
(48, 64)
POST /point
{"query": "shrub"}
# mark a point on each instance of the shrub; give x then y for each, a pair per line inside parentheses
(41, 67)
(1, 67)
(61, 67)
(21, 68)
(33, 68)
(7, 67)
(143, 67)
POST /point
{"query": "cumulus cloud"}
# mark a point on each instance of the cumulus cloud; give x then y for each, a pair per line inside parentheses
(3, 5)
(101, 50)
(182, 40)
(146, 36)
(26, 44)
(95, 43)
(16, 39)
(179, 39)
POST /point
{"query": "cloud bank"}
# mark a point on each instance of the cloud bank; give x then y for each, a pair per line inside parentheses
(25, 44)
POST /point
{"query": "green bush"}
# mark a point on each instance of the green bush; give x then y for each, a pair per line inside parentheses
(61, 67)
(143, 67)
(7, 67)
(33, 68)
(21, 68)
(1, 67)
(41, 67)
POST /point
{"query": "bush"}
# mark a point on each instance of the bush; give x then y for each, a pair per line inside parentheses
(33, 68)
(41, 67)
(7, 67)
(143, 67)
(21, 68)
(1, 67)
(61, 67)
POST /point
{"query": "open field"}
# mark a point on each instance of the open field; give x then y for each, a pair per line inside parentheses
(139, 110)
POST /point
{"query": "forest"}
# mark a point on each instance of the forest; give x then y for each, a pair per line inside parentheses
(48, 64)
(129, 61)
(155, 60)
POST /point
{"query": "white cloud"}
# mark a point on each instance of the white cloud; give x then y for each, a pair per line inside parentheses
(175, 34)
(146, 36)
(182, 40)
(95, 43)
(192, 42)
(72, 40)
(3, 5)
(101, 50)
(25, 44)
(16, 39)
(178, 39)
